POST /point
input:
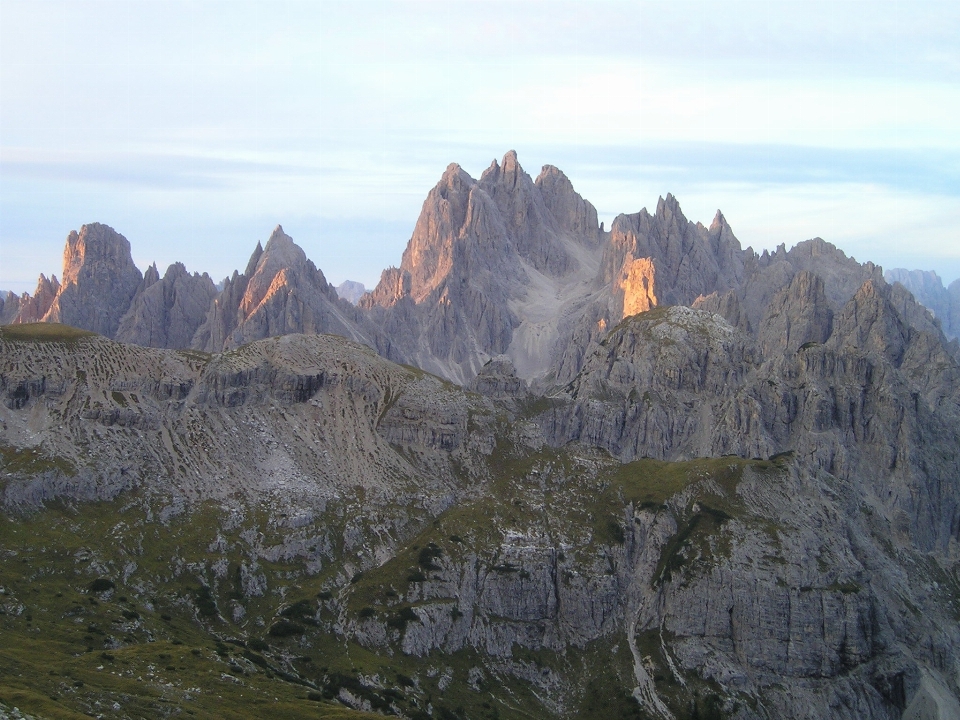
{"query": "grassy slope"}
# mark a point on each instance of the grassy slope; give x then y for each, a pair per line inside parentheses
(155, 646)
(44, 332)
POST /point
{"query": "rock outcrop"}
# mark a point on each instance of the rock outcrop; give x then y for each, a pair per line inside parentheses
(811, 573)
(687, 259)
(99, 281)
(850, 398)
(797, 316)
(166, 312)
(281, 292)
(26, 308)
(497, 266)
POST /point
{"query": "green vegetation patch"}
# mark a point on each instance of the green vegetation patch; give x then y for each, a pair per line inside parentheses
(32, 461)
(692, 541)
(44, 332)
(650, 483)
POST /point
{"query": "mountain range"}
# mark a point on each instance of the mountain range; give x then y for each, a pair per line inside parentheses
(504, 265)
(542, 469)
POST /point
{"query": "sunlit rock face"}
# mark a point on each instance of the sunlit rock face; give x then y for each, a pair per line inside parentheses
(496, 265)
(639, 287)
(26, 308)
(99, 280)
(279, 293)
(690, 260)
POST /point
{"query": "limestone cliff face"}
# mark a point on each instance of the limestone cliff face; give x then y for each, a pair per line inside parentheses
(485, 272)
(444, 525)
(99, 281)
(166, 312)
(688, 259)
(281, 292)
(570, 211)
(853, 400)
(798, 315)
(638, 286)
(767, 274)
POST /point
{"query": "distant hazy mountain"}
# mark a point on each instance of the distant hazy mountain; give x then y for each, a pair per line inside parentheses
(351, 291)
(928, 288)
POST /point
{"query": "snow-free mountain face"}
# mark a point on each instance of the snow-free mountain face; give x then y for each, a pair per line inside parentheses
(351, 291)
(704, 522)
(672, 478)
(504, 265)
(927, 287)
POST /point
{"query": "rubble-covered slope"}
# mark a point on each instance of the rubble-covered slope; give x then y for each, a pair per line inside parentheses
(300, 519)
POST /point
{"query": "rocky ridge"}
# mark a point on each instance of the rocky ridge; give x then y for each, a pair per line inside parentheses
(676, 478)
(506, 264)
(166, 312)
(525, 533)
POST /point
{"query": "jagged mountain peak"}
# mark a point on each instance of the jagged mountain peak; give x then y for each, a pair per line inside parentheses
(152, 275)
(281, 250)
(95, 244)
(281, 259)
(571, 212)
(454, 179)
(668, 208)
(99, 280)
(254, 259)
(719, 221)
(278, 236)
(508, 175)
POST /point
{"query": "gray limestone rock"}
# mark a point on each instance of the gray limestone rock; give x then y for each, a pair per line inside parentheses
(570, 211)
(167, 312)
(796, 316)
(281, 292)
(799, 586)
(498, 379)
(688, 259)
(99, 281)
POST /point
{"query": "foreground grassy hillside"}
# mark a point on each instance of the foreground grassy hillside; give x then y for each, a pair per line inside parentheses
(107, 611)
(301, 528)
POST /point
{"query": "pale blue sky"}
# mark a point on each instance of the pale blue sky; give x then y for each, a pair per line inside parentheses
(195, 127)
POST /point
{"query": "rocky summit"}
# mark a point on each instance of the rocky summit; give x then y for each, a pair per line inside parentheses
(543, 469)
